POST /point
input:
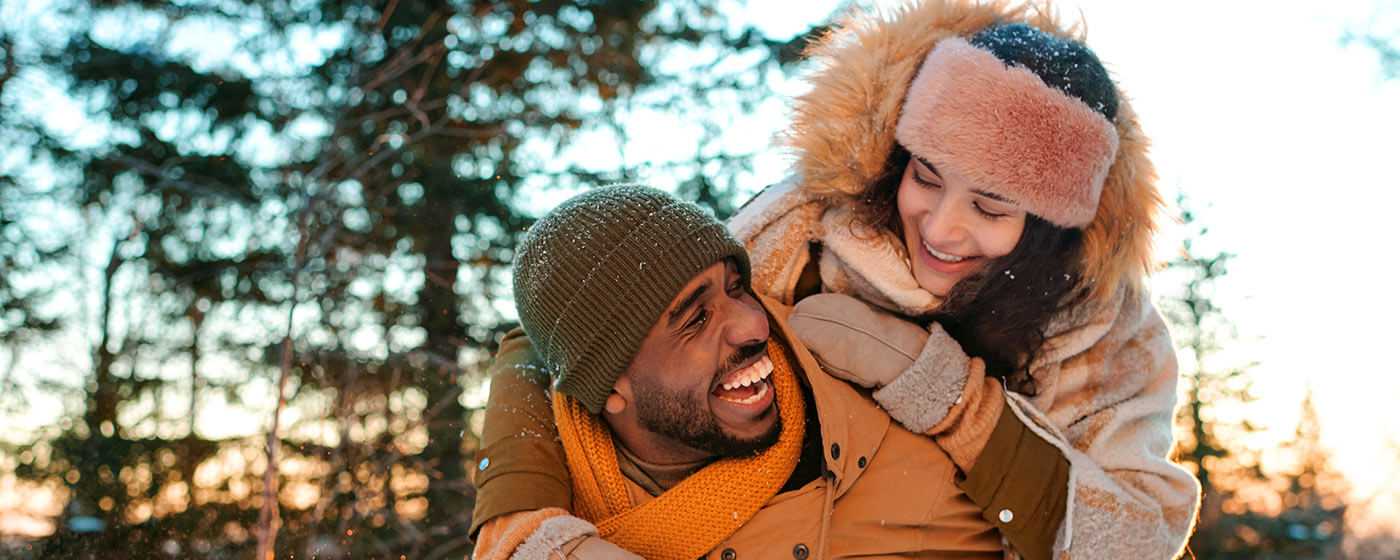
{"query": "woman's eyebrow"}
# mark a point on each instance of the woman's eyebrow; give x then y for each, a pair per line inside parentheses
(928, 165)
(994, 196)
(988, 194)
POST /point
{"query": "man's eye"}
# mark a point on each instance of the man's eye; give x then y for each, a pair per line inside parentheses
(699, 320)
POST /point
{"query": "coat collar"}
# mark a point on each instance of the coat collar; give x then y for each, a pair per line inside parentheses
(843, 129)
(852, 425)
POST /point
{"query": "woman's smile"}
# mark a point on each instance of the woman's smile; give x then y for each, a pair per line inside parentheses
(952, 225)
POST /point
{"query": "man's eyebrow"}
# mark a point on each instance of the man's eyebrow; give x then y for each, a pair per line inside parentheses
(686, 302)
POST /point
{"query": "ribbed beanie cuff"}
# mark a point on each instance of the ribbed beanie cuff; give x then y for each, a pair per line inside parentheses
(593, 276)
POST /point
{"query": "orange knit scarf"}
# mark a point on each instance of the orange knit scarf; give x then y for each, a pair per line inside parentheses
(689, 520)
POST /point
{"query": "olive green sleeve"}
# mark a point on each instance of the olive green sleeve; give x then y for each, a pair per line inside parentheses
(520, 465)
(1021, 483)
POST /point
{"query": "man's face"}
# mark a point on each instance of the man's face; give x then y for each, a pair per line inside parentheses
(700, 381)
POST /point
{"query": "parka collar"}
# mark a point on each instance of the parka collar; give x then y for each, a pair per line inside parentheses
(843, 129)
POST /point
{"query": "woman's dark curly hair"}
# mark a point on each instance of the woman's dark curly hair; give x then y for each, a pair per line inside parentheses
(1001, 313)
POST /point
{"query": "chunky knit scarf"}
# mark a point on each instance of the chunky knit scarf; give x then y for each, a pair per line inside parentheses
(689, 520)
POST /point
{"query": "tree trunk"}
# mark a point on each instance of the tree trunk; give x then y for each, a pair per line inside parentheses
(98, 485)
(439, 311)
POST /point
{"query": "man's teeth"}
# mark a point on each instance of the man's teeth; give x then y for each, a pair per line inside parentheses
(943, 256)
(762, 390)
(759, 371)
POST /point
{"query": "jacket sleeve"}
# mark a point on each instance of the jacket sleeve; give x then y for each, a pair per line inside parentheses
(1021, 484)
(1127, 498)
(520, 465)
(544, 534)
(1018, 480)
(1104, 464)
(775, 227)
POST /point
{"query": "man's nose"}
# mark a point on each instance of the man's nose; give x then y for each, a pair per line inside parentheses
(746, 321)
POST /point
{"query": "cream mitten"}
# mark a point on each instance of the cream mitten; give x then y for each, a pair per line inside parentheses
(918, 374)
(855, 341)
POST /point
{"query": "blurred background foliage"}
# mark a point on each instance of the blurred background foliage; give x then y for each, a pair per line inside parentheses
(318, 196)
(240, 233)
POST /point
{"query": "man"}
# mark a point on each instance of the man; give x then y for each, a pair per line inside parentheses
(691, 420)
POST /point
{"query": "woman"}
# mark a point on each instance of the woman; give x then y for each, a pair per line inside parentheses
(925, 208)
(1058, 377)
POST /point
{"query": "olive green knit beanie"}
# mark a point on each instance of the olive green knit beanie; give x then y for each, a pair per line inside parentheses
(594, 274)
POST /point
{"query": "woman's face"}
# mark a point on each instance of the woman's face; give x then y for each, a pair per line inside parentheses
(951, 226)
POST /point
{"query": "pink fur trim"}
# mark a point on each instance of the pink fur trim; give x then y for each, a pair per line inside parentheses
(1004, 129)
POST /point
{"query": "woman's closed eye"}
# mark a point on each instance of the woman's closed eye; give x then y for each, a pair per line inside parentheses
(935, 183)
(986, 213)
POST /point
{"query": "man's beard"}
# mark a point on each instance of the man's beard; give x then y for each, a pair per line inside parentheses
(676, 415)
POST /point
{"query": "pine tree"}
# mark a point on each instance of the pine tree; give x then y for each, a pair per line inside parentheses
(1311, 494)
(1249, 509)
(326, 207)
(1208, 443)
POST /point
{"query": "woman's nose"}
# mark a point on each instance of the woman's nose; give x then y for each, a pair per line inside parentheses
(944, 225)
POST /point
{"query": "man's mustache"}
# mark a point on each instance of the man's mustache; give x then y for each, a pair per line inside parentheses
(741, 355)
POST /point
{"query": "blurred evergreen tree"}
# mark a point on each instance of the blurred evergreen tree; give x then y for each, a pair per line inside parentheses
(1312, 498)
(153, 219)
(1246, 510)
(321, 197)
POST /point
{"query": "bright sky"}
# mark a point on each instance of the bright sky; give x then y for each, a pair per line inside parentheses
(1257, 110)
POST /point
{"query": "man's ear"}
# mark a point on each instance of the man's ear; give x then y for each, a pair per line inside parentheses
(619, 397)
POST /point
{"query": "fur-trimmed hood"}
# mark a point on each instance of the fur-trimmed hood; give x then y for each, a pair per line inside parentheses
(843, 130)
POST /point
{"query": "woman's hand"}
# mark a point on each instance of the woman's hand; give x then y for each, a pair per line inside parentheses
(855, 341)
(919, 375)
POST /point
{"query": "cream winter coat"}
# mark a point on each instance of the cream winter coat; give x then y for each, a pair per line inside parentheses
(1106, 376)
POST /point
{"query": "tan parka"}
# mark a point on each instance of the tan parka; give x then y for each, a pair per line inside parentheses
(1106, 375)
(885, 491)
